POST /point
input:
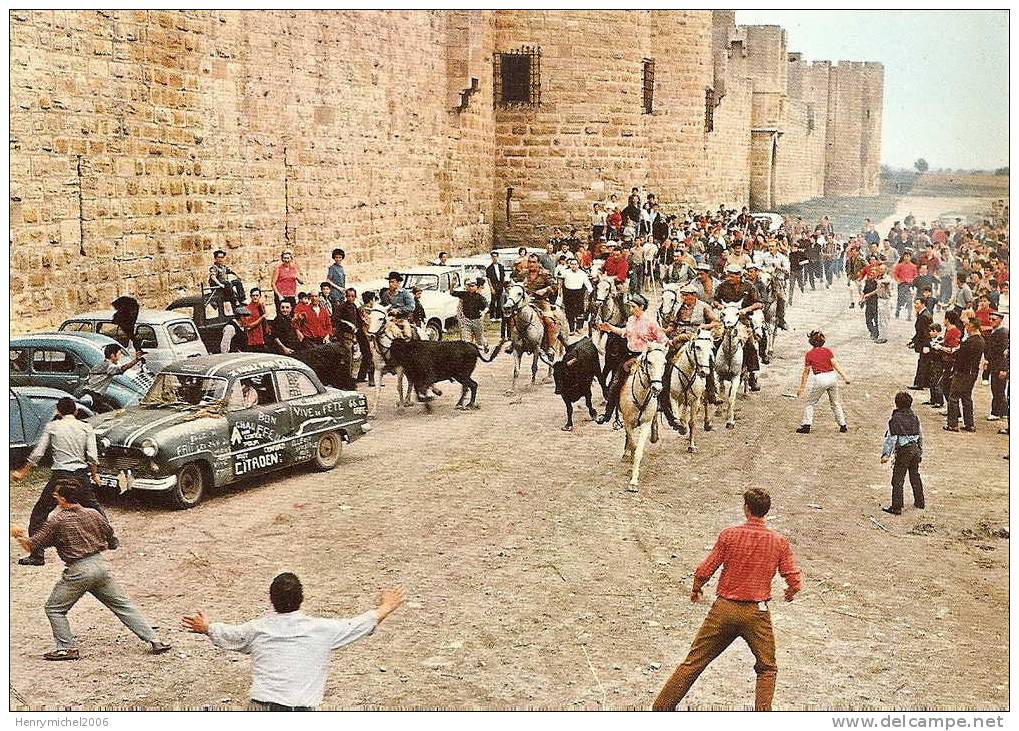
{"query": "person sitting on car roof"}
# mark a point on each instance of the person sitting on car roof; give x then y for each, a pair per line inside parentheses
(224, 280)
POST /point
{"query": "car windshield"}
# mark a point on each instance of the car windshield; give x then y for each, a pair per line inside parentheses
(424, 281)
(187, 390)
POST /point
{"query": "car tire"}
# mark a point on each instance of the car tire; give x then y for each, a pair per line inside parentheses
(434, 331)
(328, 451)
(190, 487)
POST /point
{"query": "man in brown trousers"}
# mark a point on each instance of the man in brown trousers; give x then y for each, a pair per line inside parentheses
(749, 554)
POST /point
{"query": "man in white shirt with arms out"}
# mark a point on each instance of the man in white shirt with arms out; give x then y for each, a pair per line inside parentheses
(290, 649)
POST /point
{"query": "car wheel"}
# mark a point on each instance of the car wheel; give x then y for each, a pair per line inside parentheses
(434, 331)
(190, 487)
(327, 451)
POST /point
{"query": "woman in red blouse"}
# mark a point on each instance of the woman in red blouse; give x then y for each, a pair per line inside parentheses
(820, 366)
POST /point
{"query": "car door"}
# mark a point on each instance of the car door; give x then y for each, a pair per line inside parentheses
(308, 418)
(21, 358)
(57, 367)
(260, 425)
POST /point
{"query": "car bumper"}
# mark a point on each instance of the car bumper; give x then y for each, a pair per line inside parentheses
(355, 431)
(126, 481)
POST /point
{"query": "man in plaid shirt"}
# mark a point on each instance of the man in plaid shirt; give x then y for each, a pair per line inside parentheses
(749, 554)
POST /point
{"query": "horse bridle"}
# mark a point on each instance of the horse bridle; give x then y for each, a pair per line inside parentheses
(664, 311)
(644, 375)
(514, 305)
(690, 351)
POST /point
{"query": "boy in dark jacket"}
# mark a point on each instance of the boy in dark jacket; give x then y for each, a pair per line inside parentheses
(904, 440)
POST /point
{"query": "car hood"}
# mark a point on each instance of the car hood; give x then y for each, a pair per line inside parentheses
(128, 427)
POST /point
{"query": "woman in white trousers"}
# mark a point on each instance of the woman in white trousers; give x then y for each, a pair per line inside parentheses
(820, 367)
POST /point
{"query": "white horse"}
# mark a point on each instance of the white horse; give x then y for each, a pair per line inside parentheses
(691, 366)
(528, 331)
(729, 357)
(638, 405)
(607, 306)
(779, 283)
(668, 305)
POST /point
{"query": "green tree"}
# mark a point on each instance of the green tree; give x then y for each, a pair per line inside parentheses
(921, 165)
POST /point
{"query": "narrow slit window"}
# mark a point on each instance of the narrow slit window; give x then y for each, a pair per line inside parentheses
(709, 110)
(649, 85)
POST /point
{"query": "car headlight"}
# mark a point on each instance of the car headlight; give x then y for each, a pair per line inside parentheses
(149, 448)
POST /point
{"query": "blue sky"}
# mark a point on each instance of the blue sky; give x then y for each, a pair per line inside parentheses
(946, 76)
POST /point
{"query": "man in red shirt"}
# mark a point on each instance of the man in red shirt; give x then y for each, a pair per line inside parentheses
(749, 554)
(904, 273)
(256, 323)
(312, 320)
(617, 266)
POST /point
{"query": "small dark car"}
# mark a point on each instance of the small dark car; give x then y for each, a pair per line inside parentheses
(213, 420)
(212, 315)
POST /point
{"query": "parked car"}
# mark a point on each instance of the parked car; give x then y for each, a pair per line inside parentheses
(164, 336)
(62, 360)
(440, 306)
(772, 220)
(212, 315)
(508, 255)
(32, 407)
(471, 266)
(217, 419)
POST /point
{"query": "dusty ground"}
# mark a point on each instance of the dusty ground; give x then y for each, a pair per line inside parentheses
(535, 580)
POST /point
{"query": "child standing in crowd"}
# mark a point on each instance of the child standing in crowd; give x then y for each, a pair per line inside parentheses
(904, 440)
(819, 362)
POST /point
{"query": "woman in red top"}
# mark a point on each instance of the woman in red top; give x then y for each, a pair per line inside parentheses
(819, 364)
(285, 278)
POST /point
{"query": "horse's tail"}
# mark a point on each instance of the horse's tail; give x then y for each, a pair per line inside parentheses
(481, 353)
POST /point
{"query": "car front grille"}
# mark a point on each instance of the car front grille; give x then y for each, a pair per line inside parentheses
(116, 459)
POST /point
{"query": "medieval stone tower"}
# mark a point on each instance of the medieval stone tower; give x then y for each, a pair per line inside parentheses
(143, 140)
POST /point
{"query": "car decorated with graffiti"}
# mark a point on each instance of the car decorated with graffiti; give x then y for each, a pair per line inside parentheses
(213, 420)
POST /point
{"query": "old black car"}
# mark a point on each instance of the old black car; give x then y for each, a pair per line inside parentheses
(213, 420)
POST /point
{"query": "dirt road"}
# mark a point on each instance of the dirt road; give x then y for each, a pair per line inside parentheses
(535, 580)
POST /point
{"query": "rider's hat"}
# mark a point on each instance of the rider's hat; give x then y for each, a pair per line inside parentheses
(734, 269)
(639, 300)
(752, 265)
(394, 275)
(688, 289)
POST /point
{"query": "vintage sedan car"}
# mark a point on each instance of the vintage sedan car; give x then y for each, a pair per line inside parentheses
(164, 336)
(213, 420)
(62, 360)
(217, 324)
(773, 221)
(508, 255)
(436, 283)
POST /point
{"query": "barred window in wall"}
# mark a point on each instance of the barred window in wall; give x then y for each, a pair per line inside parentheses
(709, 110)
(518, 77)
(810, 118)
(649, 85)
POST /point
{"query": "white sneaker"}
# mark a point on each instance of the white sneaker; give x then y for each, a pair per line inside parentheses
(992, 417)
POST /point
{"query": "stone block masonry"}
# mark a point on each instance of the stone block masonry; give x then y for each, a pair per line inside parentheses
(143, 140)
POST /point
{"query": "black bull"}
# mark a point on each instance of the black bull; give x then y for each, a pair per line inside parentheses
(426, 362)
(573, 376)
(331, 363)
